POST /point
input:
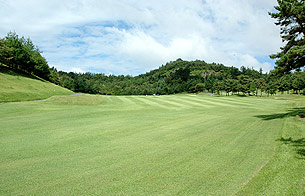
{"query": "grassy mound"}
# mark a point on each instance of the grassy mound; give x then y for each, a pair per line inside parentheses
(21, 87)
(76, 99)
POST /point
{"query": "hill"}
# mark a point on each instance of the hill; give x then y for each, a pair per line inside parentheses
(18, 86)
(173, 77)
(185, 76)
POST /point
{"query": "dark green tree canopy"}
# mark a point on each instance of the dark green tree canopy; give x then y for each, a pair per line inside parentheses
(291, 18)
(21, 54)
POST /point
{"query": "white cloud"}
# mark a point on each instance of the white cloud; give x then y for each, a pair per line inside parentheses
(132, 37)
(76, 70)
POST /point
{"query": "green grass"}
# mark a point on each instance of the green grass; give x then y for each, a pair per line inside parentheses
(153, 145)
(21, 87)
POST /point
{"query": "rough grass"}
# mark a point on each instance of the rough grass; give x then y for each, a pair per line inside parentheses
(21, 87)
(154, 145)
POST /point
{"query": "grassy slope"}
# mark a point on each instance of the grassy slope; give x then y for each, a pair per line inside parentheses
(19, 87)
(136, 145)
(284, 174)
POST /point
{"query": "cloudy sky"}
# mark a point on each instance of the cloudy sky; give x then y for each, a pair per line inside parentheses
(135, 36)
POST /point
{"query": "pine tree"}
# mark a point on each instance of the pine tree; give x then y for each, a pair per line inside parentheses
(291, 18)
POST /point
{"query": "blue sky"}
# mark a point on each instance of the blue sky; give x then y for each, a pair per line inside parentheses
(135, 36)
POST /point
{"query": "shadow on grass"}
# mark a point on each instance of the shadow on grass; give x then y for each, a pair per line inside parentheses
(14, 72)
(241, 95)
(299, 145)
(297, 112)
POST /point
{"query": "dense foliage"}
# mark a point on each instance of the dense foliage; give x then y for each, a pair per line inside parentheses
(290, 16)
(183, 76)
(21, 54)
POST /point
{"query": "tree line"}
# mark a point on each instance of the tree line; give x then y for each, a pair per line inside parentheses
(183, 76)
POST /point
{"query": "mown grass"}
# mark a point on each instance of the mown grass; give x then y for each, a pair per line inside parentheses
(152, 145)
(21, 87)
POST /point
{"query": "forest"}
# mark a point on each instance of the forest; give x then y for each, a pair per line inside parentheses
(178, 76)
(183, 76)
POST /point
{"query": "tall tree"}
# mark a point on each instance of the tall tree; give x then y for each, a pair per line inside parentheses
(290, 16)
(298, 81)
(5, 53)
(244, 84)
(285, 83)
(261, 83)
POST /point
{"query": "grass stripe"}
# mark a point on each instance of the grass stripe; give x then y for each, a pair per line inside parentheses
(209, 101)
(234, 102)
(127, 100)
(189, 103)
(164, 100)
(152, 103)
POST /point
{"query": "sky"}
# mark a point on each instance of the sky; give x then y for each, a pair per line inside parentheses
(135, 36)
